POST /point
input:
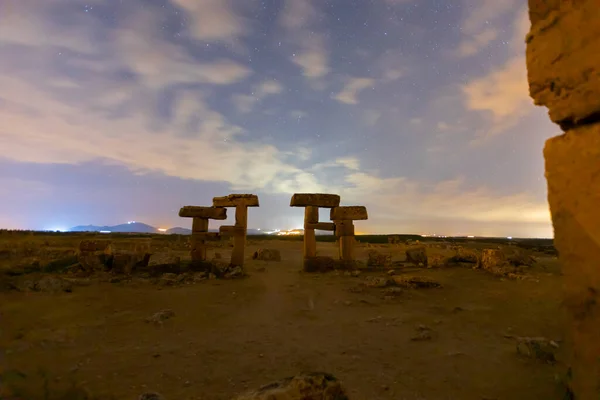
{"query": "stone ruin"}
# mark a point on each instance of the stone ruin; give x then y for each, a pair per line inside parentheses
(343, 218)
(200, 234)
(201, 215)
(343, 225)
(563, 61)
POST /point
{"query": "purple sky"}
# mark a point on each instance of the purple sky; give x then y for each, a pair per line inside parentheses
(113, 111)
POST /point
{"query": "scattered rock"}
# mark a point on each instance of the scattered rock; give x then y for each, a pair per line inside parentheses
(169, 279)
(89, 246)
(423, 333)
(161, 316)
(468, 256)
(492, 258)
(378, 281)
(61, 264)
(417, 255)
(378, 260)
(151, 396)
(520, 258)
(234, 272)
(315, 385)
(125, 262)
(319, 264)
(393, 291)
(267, 255)
(437, 261)
(199, 277)
(416, 282)
(161, 263)
(53, 284)
(538, 348)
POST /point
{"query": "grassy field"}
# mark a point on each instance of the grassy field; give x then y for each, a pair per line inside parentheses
(222, 337)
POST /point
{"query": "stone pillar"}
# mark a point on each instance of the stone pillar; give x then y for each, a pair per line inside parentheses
(241, 202)
(563, 62)
(311, 202)
(200, 233)
(344, 218)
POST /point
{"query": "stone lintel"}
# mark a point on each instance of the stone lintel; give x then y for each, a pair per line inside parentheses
(563, 59)
(234, 200)
(218, 213)
(354, 213)
(321, 226)
(315, 199)
(229, 230)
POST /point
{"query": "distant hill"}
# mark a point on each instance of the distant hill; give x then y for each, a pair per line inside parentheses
(134, 227)
(179, 231)
(138, 227)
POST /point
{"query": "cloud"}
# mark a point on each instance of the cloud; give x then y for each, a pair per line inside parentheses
(312, 57)
(393, 74)
(502, 95)
(349, 162)
(299, 19)
(478, 24)
(445, 200)
(268, 87)
(349, 94)
(245, 103)
(297, 14)
(98, 115)
(476, 42)
(213, 20)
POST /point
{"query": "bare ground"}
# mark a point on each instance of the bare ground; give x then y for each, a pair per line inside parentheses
(228, 336)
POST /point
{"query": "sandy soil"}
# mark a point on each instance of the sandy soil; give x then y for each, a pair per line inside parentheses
(227, 336)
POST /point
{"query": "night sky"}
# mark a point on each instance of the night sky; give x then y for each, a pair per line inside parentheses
(120, 110)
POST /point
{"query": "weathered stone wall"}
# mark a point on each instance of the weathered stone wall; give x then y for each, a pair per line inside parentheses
(563, 62)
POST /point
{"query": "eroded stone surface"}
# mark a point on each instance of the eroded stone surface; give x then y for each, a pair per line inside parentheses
(353, 213)
(315, 199)
(233, 200)
(563, 59)
(573, 174)
(218, 213)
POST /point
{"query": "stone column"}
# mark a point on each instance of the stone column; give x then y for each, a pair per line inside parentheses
(344, 218)
(563, 62)
(241, 202)
(312, 202)
(200, 233)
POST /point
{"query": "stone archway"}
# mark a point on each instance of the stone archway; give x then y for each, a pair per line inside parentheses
(563, 63)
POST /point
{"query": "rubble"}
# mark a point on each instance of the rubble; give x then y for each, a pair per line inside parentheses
(159, 317)
(415, 282)
(160, 263)
(538, 348)
(417, 255)
(314, 385)
(378, 260)
(467, 256)
(267, 255)
(437, 261)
